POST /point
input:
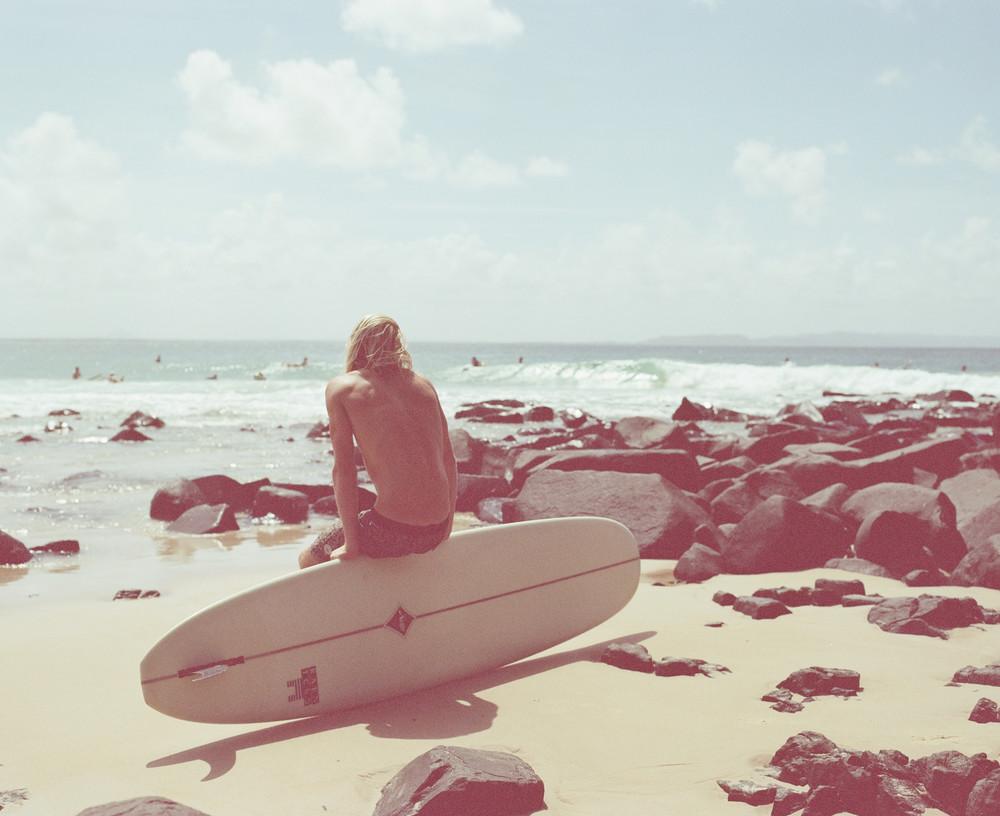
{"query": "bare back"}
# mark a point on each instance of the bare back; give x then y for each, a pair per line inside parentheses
(397, 421)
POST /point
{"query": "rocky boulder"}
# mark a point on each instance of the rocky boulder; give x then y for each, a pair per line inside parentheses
(130, 435)
(628, 656)
(467, 449)
(698, 563)
(221, 489)
(204, 519)
(678, 467)
(12, 551)
(749, 491)
(288, 506)
(950, 776)
(926, 615)
(980, 566)
(661, 517)
(473, 489)
(985, 711)
(171, 500)
(783, 535)
(641, 432)
(140, 419)
(142, 806)
(972, 491)
(818, 680)
(984, 799)
(450, 779)
(897, 541)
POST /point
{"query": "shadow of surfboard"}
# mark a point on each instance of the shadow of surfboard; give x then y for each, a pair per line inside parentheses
(442, 712)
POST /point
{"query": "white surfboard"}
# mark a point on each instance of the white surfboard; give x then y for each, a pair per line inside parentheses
(340, 635)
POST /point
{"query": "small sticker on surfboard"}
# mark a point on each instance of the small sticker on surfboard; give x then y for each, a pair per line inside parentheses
(305, 687)
(400, 621)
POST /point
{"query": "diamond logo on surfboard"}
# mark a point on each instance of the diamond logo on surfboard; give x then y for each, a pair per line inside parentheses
(400, 621)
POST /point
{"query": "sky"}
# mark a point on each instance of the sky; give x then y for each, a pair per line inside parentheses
(499, 170)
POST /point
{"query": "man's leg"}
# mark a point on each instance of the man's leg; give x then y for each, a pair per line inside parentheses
(321, 549)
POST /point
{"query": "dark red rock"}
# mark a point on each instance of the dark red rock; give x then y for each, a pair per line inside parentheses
(452, 780)
(320, 430)
(786, 595)
(204, 519)
(140, 419)
(751, 490)
(787, 801)
(472, 489)
(540, 413)
(972, 491)
(661, 517)
(859, 565)
(676, 466)
(724, 598)
(760, 608)
(781, 535)
(142, 806)
(978, 530)
(898, 797)
(289, 506)
(64, 412)
(12, 551)
(691, 411)
(771, 447)
(985, 711)
(221, 489)
(984, 799)
(987, 458)
(630, 656)
(686, 667)
(170, 501)
(68, 546)
(927, 615)
(27, 438)
(750, 793)
(897, 541)
(641, 432)
(727, 469)
(949, 777)
(327, 506)
(130, 435)
(980, 566)
(698, 563)
(980, 675)
(840, 587)
(951, 395)
(818, 680)
(467, 449)
(312, 492)
(829, 498)
(926, 578)
(797, 751)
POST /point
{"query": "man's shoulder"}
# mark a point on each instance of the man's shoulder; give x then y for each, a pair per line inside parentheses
(343, 384)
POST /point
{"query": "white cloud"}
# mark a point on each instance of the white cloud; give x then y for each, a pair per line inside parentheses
(920, 156)
(890, 77)
(326, 115)
(544, 166)
(323, 114)
(61, 196)
(798, 175)
(479, 170)
(975, 146)
(430, 25)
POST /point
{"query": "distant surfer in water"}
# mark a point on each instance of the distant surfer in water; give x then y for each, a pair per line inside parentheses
(397, 420)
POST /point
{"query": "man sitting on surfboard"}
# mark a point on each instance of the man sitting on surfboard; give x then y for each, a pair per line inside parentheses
(396, 417)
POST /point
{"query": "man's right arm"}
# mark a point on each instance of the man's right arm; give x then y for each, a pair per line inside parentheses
(450, 468)
(345, 476)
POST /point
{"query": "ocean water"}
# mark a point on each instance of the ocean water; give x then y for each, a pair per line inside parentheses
(76, 484)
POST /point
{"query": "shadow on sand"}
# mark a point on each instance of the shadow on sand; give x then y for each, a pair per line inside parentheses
(445, 711)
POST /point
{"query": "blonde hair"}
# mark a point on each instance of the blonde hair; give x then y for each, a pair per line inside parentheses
(377, 342)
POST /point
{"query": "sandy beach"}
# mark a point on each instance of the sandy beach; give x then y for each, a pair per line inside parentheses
(604, 740)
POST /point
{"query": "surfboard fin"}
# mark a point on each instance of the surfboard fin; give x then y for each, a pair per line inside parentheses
(211, 671)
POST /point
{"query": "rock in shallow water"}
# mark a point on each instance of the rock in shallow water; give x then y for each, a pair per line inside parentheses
(204, 519)
(985, 711)
(12, 551)
(452, 780)
(630, 656)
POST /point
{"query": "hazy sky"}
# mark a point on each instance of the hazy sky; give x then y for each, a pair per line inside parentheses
(499, 169)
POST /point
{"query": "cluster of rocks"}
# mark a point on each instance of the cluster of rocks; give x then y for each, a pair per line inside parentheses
(210, 504)
(804, 685)
(930, 615)
(14, 552)
(823, 779)
(848, 485)
(446, 779)
(636, 657)
(129, 426)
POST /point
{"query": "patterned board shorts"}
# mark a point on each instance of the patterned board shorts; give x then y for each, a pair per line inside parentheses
(383, 537)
